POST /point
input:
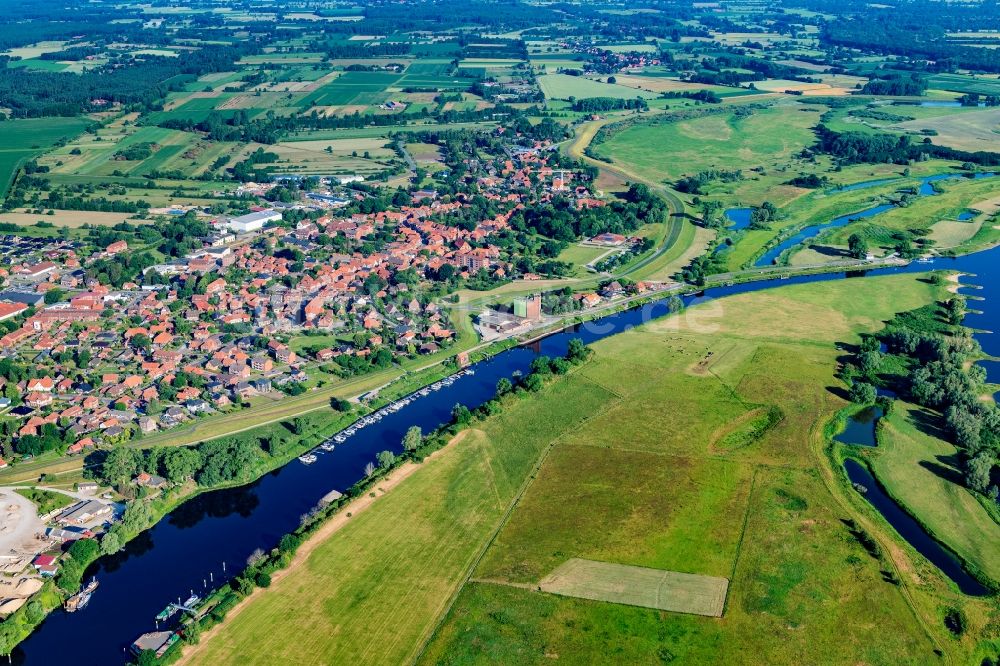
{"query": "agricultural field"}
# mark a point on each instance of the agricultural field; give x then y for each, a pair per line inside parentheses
(564, 86)
(965, 83)
(973, 130)
(35, 50)
(835, 87)
(662, 84)
(352, 88)
(336, 156)
(102, 154)
(67, 218)
(22, 140)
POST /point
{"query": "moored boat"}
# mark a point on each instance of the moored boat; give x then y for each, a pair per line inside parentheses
(80, 600)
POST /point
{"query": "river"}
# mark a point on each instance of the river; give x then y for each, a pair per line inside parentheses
(191, 544)
(924, 189)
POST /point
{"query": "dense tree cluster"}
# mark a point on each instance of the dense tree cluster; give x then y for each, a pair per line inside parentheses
(876, 147)
(137, 80)
(603, 104)
(561, 220)
(942, 379)
(917, 31)
(697, 183)
(896, 84)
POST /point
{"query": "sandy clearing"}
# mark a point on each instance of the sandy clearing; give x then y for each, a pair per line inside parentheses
(19, 523)
(638, 586)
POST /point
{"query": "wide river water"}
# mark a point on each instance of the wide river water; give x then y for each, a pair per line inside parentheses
(190, 545)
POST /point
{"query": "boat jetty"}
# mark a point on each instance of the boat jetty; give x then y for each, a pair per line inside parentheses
(188, 605)
(391, 408)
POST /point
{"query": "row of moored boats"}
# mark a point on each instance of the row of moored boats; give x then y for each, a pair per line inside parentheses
(378, 415)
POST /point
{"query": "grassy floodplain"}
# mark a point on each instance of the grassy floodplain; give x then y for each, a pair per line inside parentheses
(430, 530)
(935, 215)
(766, 140)
(814, 207)
(649, 466)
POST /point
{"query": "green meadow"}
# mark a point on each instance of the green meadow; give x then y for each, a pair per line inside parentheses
(564, 86)
(763, 145)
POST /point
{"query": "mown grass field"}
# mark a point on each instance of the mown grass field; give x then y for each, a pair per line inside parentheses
(973, 130)
(580, 255)
(638, 586)
(69, 218)
(924, 474)
(635, 476)
(564, 86)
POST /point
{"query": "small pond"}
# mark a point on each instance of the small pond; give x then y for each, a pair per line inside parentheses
(860, 429)
(739, 218)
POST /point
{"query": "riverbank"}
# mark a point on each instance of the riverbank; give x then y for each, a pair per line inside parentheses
(917, 463)
(332, 525)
